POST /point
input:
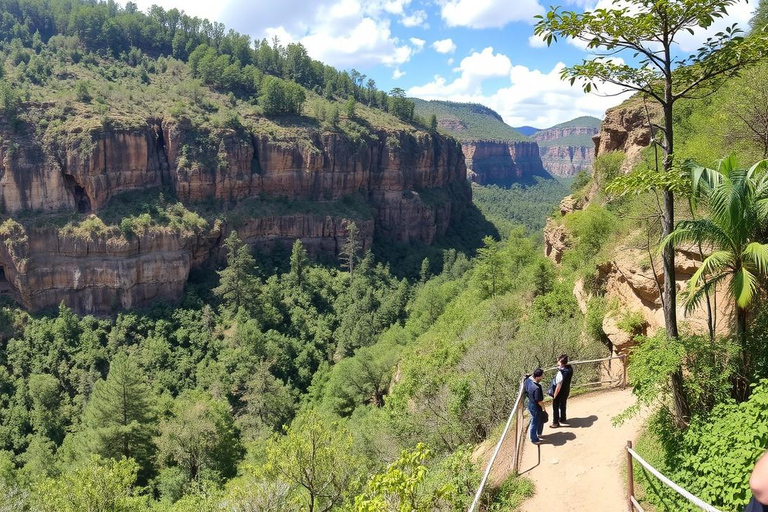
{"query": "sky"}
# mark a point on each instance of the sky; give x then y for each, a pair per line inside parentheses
(480, 51)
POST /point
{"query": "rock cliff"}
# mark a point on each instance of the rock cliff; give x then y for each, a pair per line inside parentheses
(567, 149)
(502, 162)
(627, 128)
(412, 186)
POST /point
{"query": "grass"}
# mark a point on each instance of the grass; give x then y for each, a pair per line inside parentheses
(473, 121)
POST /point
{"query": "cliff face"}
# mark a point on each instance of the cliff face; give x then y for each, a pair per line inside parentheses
(414, 186)
(502, 163)
(627, 128)
(565, 161)
(561, 152)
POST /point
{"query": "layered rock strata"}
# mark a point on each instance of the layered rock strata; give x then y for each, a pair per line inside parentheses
(413, 186)
(501, 162)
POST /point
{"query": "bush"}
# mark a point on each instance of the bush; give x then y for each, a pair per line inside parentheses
(607, 166)
(281, 97)
(82, 91)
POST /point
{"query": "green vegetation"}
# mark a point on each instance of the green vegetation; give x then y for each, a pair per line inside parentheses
(467, 121)
(528, 206)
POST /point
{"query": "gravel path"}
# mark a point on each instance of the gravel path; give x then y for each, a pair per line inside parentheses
(579, 467)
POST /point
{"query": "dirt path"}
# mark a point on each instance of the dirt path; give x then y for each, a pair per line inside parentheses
(579, 467)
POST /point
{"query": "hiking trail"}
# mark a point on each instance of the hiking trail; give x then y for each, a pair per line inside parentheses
(578, 467)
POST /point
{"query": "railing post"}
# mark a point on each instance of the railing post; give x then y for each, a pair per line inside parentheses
(519, 429)
(630, 479)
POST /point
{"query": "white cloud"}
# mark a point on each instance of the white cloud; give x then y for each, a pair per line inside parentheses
(532, 97)
(397, 74)
(418, 44)
(444, 46)
(474, 69)
(535, 41)
(488, 13)
(450, 61)
(415, 19)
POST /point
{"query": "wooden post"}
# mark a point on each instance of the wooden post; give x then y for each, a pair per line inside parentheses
(630, 479)
(519, 428)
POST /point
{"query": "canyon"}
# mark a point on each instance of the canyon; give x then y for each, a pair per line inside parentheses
(567, 149)
(397, 186)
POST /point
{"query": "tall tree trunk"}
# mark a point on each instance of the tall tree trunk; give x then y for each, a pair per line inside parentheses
(682, 409)
(741, 381)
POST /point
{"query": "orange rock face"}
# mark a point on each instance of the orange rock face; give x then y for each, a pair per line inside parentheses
(414, 184)
(502, 163)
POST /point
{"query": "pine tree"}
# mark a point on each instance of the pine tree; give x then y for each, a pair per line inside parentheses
(119, 416)
(299, 261)
(351, 249)
(237, 286)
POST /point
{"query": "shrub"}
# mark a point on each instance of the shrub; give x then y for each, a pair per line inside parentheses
(82, 91)
(607, 166)
(281, 97)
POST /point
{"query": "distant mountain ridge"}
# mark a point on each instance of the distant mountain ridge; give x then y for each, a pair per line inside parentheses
(494, 152)
(468, 121)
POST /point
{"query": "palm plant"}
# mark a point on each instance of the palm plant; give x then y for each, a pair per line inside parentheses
(734, 228)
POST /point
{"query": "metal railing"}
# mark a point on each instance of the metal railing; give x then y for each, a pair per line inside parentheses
(632, 503)
(516, 416)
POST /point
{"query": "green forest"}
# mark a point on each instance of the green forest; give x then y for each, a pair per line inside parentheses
(366, 384)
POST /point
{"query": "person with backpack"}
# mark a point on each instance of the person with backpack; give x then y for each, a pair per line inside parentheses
(535, 404)
(560, 389)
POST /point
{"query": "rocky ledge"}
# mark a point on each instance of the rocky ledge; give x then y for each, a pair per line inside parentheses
(412, 186)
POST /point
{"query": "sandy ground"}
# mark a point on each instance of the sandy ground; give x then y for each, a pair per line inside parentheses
(579, 467)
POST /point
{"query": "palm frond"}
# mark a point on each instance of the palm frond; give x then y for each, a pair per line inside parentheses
(712, 265)
(694, 295)
(757, 254)
(699, 231)
(743, 287)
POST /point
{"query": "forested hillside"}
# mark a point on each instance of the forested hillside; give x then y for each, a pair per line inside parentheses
(219, 398)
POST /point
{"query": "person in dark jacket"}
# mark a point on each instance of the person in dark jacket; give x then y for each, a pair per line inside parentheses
(535, 403)
(562, 388)
(758, 482)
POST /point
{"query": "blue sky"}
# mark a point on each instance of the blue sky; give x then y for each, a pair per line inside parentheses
(462, 50)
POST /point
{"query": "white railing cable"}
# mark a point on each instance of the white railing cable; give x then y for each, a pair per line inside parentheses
(498, 447)
(512, 414)
(682, 492)
(636, 504)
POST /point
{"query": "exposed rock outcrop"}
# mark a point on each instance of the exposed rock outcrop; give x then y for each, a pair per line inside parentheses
(565, 161)
(412, 183)
(502, 162)
(627, 128)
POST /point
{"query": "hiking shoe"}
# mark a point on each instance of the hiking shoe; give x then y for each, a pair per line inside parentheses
(537, 443)
(554, 425)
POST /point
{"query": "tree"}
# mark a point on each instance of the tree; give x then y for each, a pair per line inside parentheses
(269, 402)
(648, 29)
(543, 278)
(315, 458)
(490, 271)
(281, 97)
(237, 286)
(424, 272)
(349, 107)
(433, 123)
(759, 20)
(738, 213)
(119, 418)
(350, 251)
(399, 487)
(399, 105)
(299, 261)
(200, 438)
(99, 485)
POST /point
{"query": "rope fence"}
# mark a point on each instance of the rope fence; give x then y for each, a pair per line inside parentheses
(516, 417)
(632, 501)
